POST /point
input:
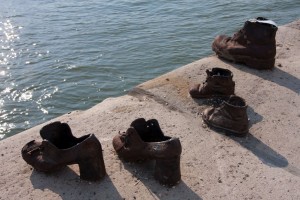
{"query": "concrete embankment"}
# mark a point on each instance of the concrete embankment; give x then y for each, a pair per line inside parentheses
(264, 165)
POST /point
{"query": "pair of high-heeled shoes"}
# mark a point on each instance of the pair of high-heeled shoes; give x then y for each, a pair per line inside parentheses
(144, 140)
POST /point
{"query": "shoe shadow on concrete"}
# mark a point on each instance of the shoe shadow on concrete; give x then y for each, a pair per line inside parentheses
(144, 173)
(265, 153)
(276, 75)
(253, 116)
(68, 185)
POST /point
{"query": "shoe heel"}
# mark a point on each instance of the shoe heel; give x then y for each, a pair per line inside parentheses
(167, 171)
(92, 169)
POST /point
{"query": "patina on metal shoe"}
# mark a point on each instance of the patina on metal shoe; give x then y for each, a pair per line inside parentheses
(218, 83)
(254, 45)
(145, 140)
(231, 116)
(60, 148)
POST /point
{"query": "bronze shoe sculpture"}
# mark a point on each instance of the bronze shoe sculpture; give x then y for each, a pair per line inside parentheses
(218, 83)
(60, 148)
(145, 140)
(230, 116)
(254, 45)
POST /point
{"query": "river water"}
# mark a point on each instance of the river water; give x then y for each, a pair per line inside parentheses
(59, 56)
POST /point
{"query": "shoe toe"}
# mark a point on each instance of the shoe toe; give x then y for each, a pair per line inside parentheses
(219, 43)
(33, 154)
(194, 91)
(206, 114)
(117, 143)
(30, 150)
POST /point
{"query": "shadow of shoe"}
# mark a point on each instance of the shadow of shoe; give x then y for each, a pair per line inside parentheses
(276, 75)
(143, 171)
(253, 116)
(265, 153)
(67, 185)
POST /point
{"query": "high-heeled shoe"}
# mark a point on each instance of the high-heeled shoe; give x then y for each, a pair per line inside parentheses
(60, 148)
(145, 140)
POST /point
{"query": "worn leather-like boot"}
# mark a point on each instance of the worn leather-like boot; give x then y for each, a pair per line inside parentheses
(145, 140)
(218, 83)
(60, 148)
(254, 45)
(230, 116)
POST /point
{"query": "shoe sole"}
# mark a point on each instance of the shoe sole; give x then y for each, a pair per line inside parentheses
(227, 131)
(247, 60)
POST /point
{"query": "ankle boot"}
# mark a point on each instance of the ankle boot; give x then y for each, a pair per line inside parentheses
(254, 45)
(145, 140)
(218, 83)
(60, 148)
(230, 116)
